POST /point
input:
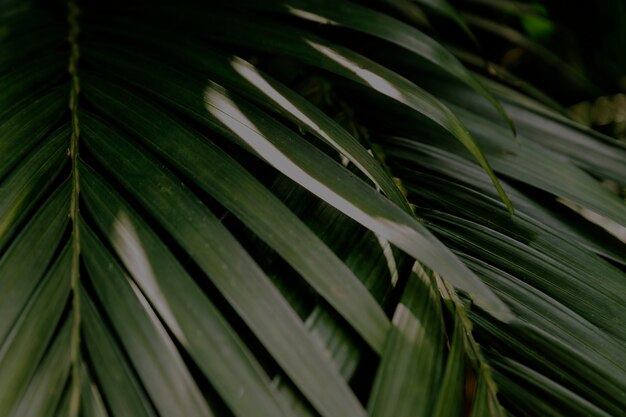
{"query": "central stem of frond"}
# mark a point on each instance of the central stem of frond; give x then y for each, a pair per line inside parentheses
(74, 30)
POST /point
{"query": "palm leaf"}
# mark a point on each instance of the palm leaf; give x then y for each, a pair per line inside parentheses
(185, 231)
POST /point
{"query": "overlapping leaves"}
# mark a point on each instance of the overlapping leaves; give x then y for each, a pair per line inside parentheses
(242, 254)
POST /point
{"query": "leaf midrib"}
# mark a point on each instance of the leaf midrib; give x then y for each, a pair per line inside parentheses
(73, 32)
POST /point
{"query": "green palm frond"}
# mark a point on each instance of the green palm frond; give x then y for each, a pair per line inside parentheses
(290, 208)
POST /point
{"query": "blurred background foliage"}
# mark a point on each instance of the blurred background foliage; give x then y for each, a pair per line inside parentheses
(572, 51)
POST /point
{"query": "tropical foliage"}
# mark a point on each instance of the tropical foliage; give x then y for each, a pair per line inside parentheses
(297, 208)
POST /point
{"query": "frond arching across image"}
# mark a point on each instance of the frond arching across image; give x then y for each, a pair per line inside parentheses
(305, 208)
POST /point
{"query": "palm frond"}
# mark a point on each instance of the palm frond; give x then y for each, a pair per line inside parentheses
(184, 230)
